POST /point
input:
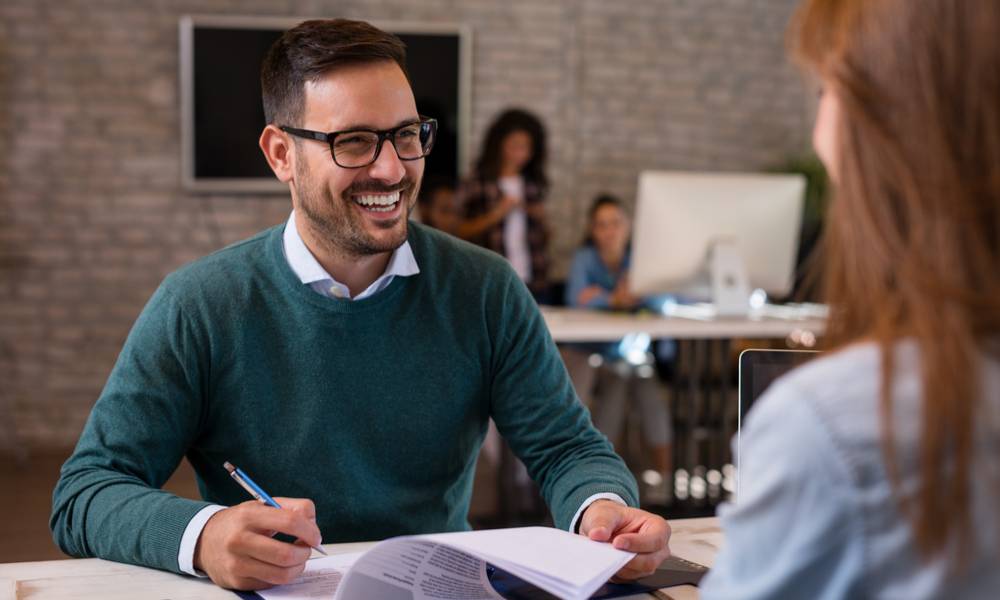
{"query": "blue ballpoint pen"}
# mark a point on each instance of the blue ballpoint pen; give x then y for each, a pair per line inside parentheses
(254, 490)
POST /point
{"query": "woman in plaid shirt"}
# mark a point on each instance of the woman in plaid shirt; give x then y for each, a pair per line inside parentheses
(504, 200)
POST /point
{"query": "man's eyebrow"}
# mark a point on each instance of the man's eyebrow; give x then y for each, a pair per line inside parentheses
(370, 127)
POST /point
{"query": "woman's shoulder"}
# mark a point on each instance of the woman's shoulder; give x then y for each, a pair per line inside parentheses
(840, 393)
(849, 378)
(856, 364)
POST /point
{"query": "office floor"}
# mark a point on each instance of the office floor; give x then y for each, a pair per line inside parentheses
(26, 500)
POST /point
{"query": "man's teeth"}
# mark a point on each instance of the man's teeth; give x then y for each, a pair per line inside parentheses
(378, 202)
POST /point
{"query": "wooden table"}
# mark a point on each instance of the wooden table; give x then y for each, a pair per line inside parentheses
(696, 540)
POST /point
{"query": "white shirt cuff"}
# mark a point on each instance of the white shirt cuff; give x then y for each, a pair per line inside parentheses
(602, 496)
(189, 541)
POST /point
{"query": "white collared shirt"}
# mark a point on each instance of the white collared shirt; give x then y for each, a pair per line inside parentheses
(402, 263)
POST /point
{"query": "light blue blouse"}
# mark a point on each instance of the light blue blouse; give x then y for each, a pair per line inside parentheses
(587, 270)
(817, 517)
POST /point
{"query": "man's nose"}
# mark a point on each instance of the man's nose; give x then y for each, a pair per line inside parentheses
(387, 167)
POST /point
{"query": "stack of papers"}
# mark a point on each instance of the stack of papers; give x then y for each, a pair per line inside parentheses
(445, 566)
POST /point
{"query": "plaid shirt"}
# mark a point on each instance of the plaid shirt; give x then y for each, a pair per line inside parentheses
(481, 196)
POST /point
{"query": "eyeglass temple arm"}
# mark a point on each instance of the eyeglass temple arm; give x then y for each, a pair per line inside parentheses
(305, 133)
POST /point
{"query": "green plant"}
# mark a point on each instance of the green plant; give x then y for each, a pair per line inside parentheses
(816, 202)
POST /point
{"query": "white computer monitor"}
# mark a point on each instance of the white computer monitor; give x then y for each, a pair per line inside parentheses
(716, 236)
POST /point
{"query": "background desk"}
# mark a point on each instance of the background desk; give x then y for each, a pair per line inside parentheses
(580, 325)
(703, 396)
(696, 540)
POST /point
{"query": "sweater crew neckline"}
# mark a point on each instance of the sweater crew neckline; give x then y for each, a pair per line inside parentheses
(289, 280)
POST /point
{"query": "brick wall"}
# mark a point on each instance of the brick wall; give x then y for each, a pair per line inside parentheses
(91, 211)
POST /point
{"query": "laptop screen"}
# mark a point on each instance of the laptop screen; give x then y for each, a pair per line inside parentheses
(758, 369)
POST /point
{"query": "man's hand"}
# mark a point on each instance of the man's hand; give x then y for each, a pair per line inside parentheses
(236, 549)
(628, 529)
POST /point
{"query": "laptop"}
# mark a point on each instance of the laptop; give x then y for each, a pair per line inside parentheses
(757, 370)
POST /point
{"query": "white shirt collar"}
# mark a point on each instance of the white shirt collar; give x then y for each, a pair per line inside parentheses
(310, 272)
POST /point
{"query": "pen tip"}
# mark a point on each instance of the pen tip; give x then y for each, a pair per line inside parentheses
(229, 466)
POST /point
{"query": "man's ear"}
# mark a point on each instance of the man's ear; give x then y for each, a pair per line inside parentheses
(278, 151)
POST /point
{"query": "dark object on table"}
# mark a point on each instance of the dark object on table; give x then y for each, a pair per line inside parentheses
(673, 571)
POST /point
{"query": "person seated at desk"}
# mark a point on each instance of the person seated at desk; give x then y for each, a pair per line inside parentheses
(598, 279)
(347, 358)
(872, 471)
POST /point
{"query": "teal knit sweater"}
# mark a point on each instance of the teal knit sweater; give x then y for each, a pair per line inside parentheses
(374, 409)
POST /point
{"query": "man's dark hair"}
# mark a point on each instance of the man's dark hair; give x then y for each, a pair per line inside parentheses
(310, 50)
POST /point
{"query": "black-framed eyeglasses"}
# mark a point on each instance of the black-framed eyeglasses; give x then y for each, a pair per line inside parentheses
(356, 148)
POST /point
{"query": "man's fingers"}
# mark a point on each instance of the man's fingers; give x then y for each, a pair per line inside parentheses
(651, 537)
(235, 548)
(303, 506)
(274, 552)
(263, 518)
(246, 572)
(631, 530)
(275, 575)
(599, 533)
(243, 583)
(641, 566)
(600, 522)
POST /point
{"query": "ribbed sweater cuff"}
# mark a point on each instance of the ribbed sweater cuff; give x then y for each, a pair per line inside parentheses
(165, 529)
(563, 514)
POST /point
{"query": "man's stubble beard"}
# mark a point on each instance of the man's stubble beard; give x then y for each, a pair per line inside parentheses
(338, 228)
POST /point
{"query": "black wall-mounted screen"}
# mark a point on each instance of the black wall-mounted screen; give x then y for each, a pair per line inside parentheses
(227, 116)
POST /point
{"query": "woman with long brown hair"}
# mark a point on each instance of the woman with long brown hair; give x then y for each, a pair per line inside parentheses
(873, 471)
(504, 199)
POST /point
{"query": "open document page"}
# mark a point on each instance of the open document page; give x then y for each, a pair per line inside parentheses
(321, 579)
(452, 566)
(561, 563)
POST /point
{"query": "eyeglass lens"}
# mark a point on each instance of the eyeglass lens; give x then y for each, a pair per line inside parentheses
(358, 148)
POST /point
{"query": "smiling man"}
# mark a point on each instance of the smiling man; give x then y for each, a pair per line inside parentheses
(349, 360)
